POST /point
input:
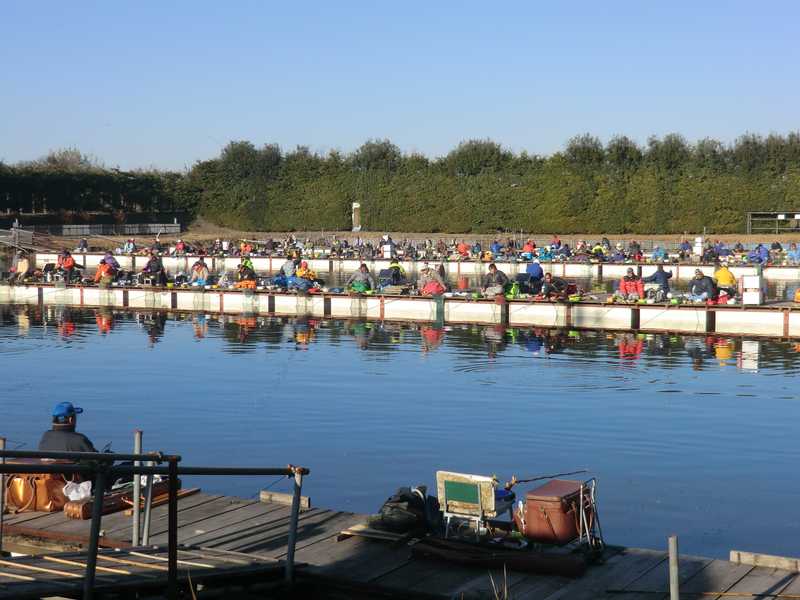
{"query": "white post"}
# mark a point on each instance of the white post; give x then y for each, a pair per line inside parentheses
(137, 487)
(674, 579)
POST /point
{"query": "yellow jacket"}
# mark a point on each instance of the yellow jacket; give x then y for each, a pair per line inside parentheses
(724, 277)
(305, 273)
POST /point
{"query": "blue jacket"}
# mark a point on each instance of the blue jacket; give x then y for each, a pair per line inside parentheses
(661, 278)
(535, 270)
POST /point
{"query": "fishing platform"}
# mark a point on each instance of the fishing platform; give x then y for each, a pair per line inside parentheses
(775, 319)
(242, 544)
(453, 268)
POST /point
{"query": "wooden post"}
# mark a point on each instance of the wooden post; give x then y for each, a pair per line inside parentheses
(137, 487)
(674, 578)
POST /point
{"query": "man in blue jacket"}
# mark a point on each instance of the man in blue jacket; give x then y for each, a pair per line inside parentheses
(534, 269)
(661, 277)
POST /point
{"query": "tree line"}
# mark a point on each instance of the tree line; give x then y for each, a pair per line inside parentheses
(666, 186)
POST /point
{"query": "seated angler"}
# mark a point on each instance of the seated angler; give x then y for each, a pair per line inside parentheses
(685, 250)
(66, 265)
(553, 288)
(105, 274)
(476, 250)
(398, 272)
(245, 278)
(546, 253)
(659, 254)
(527, 250)
(430, 283)
(702, 287)
(361, 281)
(660, 277)
(155, 270)
(199, 275)
(618, 255)
(793, 255)
(304, 272)
(631, 287)
(20, 268)
(63, 437)
(494, 281)
(725, 279)
(599, 251)
(110, 260)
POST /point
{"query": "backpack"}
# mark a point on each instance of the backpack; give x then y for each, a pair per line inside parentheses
(407, 510)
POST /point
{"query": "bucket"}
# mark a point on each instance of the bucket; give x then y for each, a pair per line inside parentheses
(463, 283)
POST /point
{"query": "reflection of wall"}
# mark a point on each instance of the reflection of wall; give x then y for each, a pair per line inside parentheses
(748, 357)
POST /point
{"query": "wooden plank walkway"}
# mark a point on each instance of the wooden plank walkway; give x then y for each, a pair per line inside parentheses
(120, 570)
(253, 535)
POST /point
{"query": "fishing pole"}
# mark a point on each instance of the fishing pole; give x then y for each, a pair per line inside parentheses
(514, 481)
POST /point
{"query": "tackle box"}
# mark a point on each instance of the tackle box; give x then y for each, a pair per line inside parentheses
(551, 513)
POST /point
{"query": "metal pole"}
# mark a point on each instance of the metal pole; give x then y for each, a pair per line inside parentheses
(137, 487)
(2, 493)
(148, 507)
(674, 579)
(94, 535)
(172, 518)
(292, 541)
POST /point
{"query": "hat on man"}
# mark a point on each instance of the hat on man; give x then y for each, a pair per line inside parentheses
(64, 410)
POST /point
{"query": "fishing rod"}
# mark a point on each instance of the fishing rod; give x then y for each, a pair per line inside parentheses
(514, 481)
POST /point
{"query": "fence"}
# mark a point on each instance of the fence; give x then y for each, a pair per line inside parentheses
(773, 222)
(106, 229)
(101, 468)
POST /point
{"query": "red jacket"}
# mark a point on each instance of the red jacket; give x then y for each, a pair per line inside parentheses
(631, 286)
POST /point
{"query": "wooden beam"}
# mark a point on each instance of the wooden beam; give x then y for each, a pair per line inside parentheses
(286, 499)
(765, 560)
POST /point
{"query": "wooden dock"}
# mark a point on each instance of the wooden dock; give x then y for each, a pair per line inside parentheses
(248, 538)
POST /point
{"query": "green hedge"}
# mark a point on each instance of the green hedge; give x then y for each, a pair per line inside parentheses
(668, 186)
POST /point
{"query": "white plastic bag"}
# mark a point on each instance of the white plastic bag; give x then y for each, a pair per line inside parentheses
(78, 491)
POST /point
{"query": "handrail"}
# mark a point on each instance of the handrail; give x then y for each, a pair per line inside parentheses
(102, 456)
(101, 466)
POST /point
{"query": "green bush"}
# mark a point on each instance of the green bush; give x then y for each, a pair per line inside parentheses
(669, 186)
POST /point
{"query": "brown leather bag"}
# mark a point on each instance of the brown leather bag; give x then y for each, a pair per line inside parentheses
(35, 492)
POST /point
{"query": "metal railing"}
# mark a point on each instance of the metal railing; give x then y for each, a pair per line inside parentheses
(101, 468)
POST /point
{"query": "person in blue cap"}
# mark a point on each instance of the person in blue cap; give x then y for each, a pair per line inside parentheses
(63, 437)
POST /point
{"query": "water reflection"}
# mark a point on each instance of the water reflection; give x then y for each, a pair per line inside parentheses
(249, 333)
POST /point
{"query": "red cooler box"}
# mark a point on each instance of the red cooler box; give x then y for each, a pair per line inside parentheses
(552, 512)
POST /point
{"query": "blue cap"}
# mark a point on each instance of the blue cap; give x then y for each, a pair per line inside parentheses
(65, 409)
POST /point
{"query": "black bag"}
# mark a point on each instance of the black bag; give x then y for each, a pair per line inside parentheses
(407, 510)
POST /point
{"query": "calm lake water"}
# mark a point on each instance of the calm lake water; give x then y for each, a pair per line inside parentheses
(688, 435)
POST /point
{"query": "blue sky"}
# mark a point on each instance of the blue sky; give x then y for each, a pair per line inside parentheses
(164, 84)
